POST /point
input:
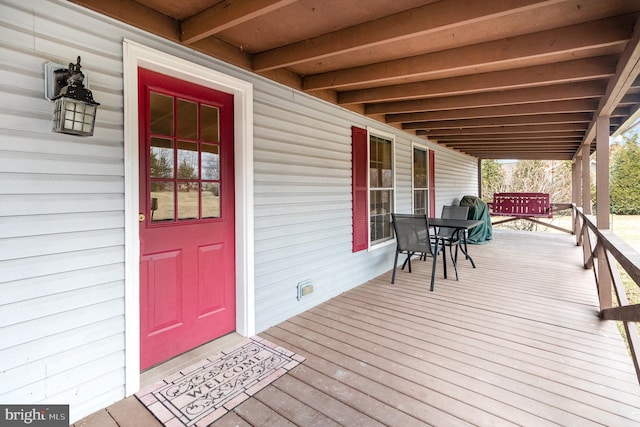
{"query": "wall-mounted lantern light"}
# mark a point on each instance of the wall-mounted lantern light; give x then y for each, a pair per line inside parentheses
(75, 110)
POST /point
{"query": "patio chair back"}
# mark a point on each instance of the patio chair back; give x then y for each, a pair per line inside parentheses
(412, 233)
(413, 238)
(452, 212)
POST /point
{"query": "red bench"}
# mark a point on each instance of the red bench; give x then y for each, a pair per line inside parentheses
(521, 206)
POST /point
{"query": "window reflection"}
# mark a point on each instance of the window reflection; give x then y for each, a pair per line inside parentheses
(162, 202)
(187, 160)
(187, 119)
(210, 162)
(419, 168)
(161, 158)
(210, 123)
(161, 114)
(188, 200)
(211, 200)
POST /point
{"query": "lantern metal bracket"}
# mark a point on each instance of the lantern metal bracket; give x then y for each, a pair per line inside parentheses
(55, 78)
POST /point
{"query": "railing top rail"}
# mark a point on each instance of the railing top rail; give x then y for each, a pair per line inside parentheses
(628, 257)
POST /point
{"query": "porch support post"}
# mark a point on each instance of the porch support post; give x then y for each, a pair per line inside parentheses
(602, 172)
(602, 209)
(480, 178)
(576, 187)
(586, 180)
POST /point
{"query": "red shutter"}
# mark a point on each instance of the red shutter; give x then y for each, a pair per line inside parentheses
(432, 183)
(359, 161)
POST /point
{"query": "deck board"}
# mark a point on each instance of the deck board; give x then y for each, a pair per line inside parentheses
(341, 413)
(294, 409)
(516, 341)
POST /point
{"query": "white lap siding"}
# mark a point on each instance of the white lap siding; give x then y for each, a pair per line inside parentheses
(62, 254)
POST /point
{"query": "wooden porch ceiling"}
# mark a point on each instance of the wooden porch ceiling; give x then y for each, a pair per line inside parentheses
(522, 79)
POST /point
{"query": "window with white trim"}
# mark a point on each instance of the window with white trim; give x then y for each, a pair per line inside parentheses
(381, 187)
(420, 180)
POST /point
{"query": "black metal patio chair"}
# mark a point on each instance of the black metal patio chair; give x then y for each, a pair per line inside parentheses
(451, 237)
(413, 238)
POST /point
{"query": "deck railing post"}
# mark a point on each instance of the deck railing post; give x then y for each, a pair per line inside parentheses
(603, 273)
(577, 226)
(587, 252)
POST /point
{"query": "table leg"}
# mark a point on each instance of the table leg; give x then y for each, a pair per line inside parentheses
(466, 250)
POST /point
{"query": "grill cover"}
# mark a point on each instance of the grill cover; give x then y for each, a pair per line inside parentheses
(478, 209)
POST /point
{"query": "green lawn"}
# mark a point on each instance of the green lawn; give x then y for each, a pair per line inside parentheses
(627, 227)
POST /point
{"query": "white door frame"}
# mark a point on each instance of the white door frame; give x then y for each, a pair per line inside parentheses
(136, 55)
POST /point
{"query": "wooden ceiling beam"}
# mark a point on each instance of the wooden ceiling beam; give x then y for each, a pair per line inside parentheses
(621, 111)
(545, 46)
(619, 84)
(532, 149)
(539, 75)
(584, 90)
(134, 13)
(400, 26)
(506, 138)
(540, 119)
(523, 156)
(567, 146)
(520, 154)
(551, 107)
(225, 15)
(145, 18)
(223, 51)
(510, 129)
(630, 100)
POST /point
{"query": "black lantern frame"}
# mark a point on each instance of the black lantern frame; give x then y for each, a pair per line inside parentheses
(75, 109)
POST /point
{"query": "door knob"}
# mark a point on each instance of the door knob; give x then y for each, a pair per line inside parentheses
(141, 217)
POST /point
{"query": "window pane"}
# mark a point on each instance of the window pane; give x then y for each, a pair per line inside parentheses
(162, 202)
(380, 207)
(419, 168)
(374, 164)
(210, 124)
(420, 202)
(187, 119)
(380, 163)
(161, 114)
(387, 177)
(210, 162)
(210, 200)
(374, 181)
(188, 200)
(376, 228)
(187, 160)
(161, 158)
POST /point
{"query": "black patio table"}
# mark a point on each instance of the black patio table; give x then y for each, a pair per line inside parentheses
(458, 224)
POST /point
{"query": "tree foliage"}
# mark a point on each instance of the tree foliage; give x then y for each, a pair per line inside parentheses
(527, 176)
(493, 179)
(625, 177)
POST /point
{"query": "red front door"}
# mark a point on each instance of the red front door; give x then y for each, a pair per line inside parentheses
(187, 247)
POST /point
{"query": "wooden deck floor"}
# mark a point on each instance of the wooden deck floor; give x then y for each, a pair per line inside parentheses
(516, 341)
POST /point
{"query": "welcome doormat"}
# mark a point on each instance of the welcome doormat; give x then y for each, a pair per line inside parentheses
(207, 390)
